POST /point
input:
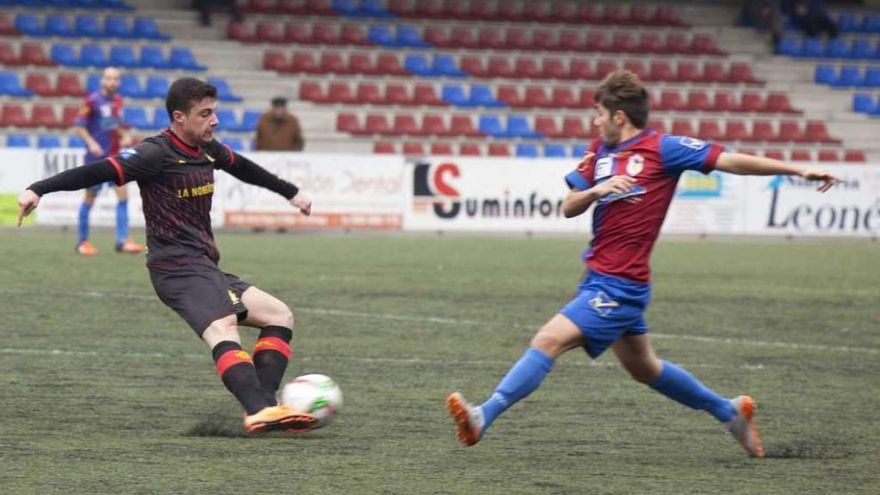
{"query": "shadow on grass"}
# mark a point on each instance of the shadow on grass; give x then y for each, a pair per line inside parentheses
(811, 448)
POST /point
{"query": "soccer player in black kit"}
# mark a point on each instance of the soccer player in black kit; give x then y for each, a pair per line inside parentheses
(175, 173)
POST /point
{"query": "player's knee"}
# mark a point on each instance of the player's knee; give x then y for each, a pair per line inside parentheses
(547, 343)
(285, 317)
(643, 372)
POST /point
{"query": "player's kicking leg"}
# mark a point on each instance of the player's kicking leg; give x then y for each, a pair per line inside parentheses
(742, 426)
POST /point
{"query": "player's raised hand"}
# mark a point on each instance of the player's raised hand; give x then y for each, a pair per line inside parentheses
(303, 203)
(619, 184)
(27, 201)
(827, 178)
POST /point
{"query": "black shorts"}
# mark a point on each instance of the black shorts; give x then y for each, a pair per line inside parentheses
(200, 292)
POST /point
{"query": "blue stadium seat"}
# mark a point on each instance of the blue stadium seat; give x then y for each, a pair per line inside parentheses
(825, 74)
(481, 96)
(224, 92)
(555, 151)
(93, 82)
(864, 103)
(146, 28)
(160, 118)
(374, 8)
(813, 47)
(234, 143)
(64, 54)
(526, 150)
(380, 35)
(130, 86)
(157, 87)
(87, 25)
(59, 25)
(578, 150)
(136, 117)
(10, 85)
(490, 125)
(444, 65)
(29, 24)
(519, 126)
(182, 58)
(409, 36)
(871, 23)
(849, 23)
(789, 46)
(249, 120)
(74, 141)
(863, 48)
(454, 95)
(850, 75)
(92, 55)
(837, 48)
(418, 65)
(346, 7)
(48, 141)
(152, 56)
(228, 119)
(123, 56)
(18, 141)
(872, 77)
(116, 27)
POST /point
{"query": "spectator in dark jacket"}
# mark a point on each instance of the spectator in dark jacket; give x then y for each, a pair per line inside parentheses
(810, 16)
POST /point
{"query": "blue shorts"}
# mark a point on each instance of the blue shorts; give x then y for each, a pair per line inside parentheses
(607, 308)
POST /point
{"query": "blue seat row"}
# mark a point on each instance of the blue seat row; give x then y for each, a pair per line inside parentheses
(518, 126)
(531, 150)
(480, 96)
(364, 8)
(151, 56)
(401, 37)
(137, 117)
(441, 65)
(858, 49)
(229, 120)
(866, 103)
(847, 76)
(89, 26)
(43, 141)
(236, 143)
(11, 85)
(69, 4)
(855, 23)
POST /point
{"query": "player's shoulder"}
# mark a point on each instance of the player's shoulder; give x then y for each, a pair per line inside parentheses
(151, 147)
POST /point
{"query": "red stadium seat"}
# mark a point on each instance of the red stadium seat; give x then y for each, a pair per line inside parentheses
(389, 64)
(12, 114)
(698, 101)
(463, 37)
(670, 100)
(8, 55)
(661, 71)
(640, 15)
(546, 125)
(260, 6)
(499, 149)
(554, 68)
(614, 14)
(517, 39)
(536, 97)
(741, 73)
(39, 83)
(354, 34)
(240, 31)
(650, 43)
(441, 149)
(68, 114)
(537, 12)
(704, 44)
(779, 103)
(676, 43)
(624, 42)
(348, 122)
(500, 67)
(572, 41)
(292, 7)
(828, 156)
(438, 36)
(34, 54)
(790, 130)
(597, 41)
(7, 27)
(474, 65)
(545, 39)
(714, 72)
(688, 72)
(490, 38)
(303, 62)
(369, 94)
(425, 94)
(605, 67)
(276, 61)
(44, 116)
(384, 148)
(581, 69)
(562, 97)
(636, 67)
(709, 130)
(586, 98)
(397, 94)
(378, 124)
(269, 32)
(854, 156)
(682, 127)
(762, 130)
(402, 8)
(735, 130)
(575, 127)
(800, 155)
(320, 7)
(816, 131)
(658, 125)
(360, 63)
(751, 102)
(430, 9)
(588, 13)
(340, 92)
(469, 149)
(298, 33)
(774, 154)
(405, 124)
(68, 84)
(527, 67)
(325, 34)
(724, 101)
(311, 91)
(456, 9)
(413, 149)
(332, 62)
(563, 12)
(433, 125)
(462, 125)
(666, 15)
(510, 95)
(510, 10)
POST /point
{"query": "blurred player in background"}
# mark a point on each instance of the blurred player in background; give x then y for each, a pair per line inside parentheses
(100, 126)
(175, 173)
(630, 173)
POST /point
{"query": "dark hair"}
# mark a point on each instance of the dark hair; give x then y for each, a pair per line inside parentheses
(622, 90)
(184, 93)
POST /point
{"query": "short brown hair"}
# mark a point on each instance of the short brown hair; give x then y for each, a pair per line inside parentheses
(622, 90)
(184, 93)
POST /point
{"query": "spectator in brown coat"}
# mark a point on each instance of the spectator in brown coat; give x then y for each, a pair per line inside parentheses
(278, 129)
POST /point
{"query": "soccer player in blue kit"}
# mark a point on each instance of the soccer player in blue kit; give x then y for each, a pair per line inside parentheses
(630, 173)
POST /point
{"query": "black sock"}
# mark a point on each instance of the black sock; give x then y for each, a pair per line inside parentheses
(237, 371)
(271, 355)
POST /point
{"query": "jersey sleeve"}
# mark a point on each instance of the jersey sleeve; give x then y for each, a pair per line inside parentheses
(140, 162)
(580, 177)
(224, 157)
(85, 111)
(680, 153)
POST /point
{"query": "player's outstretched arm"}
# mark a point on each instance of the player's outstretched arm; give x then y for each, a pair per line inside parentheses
(248, 171)
(742, 164)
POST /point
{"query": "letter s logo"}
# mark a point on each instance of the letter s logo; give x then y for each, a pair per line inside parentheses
(442, 175)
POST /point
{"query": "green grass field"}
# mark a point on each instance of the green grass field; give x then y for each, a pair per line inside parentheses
(104, 390)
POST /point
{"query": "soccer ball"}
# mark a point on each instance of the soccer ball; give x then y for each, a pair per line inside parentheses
(315, 394)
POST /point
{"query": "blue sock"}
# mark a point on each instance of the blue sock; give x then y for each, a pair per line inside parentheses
(121, 221)
(682, 387)
(84, 210)
(522, 379)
